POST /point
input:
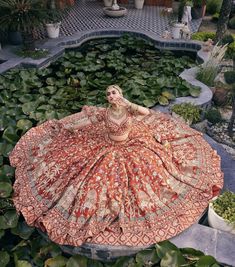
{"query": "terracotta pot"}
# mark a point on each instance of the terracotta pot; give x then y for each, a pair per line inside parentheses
(125, 2)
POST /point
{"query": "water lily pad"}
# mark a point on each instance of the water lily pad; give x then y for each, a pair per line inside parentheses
(23, 230)
(163, 101)
(58, 261)
(147, 257)
(9, 219)
(5, 189)
(23, 263)
(24, 124)
(77, 261)
(195, 91)
(173, 258)
(4, 258)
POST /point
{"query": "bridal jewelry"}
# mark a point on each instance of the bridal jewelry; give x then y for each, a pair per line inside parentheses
(117, 114)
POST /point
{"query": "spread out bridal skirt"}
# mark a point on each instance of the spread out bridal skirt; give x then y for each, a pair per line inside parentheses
(82, 187)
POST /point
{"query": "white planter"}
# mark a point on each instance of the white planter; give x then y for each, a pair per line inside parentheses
(53, 29)
(139, 4)
(108, 3)
(217, 222)
(176, 30)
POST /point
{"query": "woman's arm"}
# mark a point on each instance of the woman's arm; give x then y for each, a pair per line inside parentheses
(133, 108)
(87, 116)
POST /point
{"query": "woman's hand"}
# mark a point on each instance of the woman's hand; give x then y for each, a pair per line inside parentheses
(121, 101)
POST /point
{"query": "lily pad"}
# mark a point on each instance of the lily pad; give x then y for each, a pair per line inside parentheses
(4, 258)
(5, 189)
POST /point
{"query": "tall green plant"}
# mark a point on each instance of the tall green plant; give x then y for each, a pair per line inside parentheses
(209, 69)
(23, 16)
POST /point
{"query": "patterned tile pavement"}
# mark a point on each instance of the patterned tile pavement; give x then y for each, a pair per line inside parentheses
(88, 15)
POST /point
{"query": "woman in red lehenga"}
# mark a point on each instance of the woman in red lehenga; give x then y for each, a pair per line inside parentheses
(122, 175)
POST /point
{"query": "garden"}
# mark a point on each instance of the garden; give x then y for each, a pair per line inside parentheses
(149, 77)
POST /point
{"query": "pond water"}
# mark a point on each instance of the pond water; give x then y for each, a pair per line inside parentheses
(148, 75)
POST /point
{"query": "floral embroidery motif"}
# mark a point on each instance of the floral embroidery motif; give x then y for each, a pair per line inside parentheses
(83, 187)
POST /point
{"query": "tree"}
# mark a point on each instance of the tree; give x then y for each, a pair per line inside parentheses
(223, 19)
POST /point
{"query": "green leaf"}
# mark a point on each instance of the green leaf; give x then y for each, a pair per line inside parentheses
(94, 263)
(24, 124)
(195, 91)
(10, 135)
(2, 233)
(149, 103)
(23, 230)
(163, 101)
(146, 256)
(23, 263)
(123, 262)
(77, 261)
(5, 149)
(26, 98)
(191, 253)
(4, 258)
(173, 258)
(1, 160)
(163, 247)
(58, 261)
(7, 170)
(29, 107)
(48, 90)
(206, 261)
(9, 219)
(5, 189)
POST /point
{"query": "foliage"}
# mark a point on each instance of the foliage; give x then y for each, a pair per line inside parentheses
(224, 206)
(227, 39)
(199, 3)
(231, 23)
(229, 77)
(209, 69)
(231, 51)
(188, 111)
(203, 36)
(213, 115)
(213, 6)
(35, 54)
(21, 15)
(215, 17)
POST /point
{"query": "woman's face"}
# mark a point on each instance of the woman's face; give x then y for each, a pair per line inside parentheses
(112, 95)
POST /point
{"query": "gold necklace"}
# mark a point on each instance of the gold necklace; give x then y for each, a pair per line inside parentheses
(117, 114)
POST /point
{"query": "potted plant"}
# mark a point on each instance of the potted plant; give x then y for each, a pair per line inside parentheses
(221, 212)
(186, 112)
(53, 19)
(22, 16)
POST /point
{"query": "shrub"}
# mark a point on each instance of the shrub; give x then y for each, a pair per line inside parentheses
(213, 115)
(188, 111)
(209, 69)
(203, 36)
(231, 23)
(215, 17)
(229, 77)
(224, 206)
(213, 6)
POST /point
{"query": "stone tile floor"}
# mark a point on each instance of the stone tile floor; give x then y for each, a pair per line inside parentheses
(88, 15)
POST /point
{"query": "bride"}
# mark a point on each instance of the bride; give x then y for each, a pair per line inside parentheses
(122, 175)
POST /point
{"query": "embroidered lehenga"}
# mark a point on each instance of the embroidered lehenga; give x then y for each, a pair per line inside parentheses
(81, 186)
